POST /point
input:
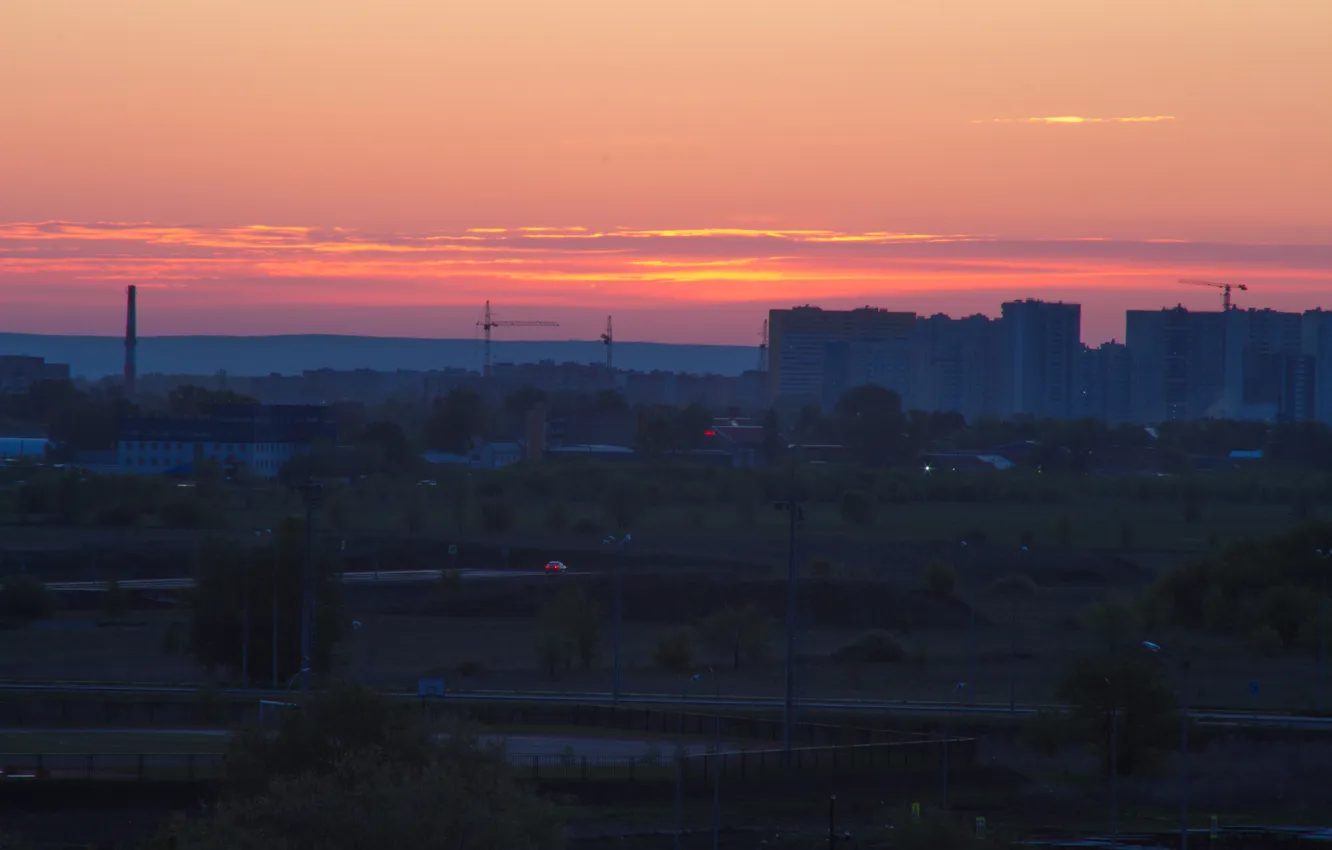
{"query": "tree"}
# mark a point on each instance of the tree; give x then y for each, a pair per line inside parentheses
(455, 420)
(570, 628)
(1114, 621)
(392, 445)
(622, 504)
(115, 602)
(675, 651)
(939, 578)
(870, 419)
(25, 598)
(1130, 691)
(193, 400)
(353, 770)
(856, 508)
(742, 633)
(227, 573)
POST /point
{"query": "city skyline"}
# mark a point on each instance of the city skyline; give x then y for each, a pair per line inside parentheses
(702, 286)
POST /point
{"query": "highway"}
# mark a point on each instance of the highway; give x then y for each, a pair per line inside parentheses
(992, 710)
(354, 578)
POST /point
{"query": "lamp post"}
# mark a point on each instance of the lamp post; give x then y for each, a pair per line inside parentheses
(794, 514)
(1114, 765)
(1157, 649)
(948, 733)
(717, 759)
(619, 612)
(260, 534)
(310, 492)
(1325, 555)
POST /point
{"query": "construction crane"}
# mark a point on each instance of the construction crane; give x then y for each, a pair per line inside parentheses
(763, 348)
(608, 340)
(489, 322)
(1225, 288)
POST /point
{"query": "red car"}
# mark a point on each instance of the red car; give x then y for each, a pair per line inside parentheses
(555, 567)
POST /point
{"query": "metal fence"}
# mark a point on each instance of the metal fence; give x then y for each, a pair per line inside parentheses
(735, 766)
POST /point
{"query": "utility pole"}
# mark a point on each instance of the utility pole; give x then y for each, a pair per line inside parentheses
(618, 624)
(311, 491)
(795, 513)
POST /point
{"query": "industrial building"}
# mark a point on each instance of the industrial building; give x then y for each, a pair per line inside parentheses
(256, 439)
(18, 373)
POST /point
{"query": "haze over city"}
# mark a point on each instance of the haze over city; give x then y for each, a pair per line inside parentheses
(384, 170)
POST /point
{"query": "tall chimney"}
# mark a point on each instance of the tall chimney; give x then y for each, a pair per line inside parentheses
(131, 342)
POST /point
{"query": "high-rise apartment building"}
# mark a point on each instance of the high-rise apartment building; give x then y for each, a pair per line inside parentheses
(1045, 358)
(1316, 342)
(1177, 363)
(799, 339)
(1107, 383)
(959, 365)
(1259, 344)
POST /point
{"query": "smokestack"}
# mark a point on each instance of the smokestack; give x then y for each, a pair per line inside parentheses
(131, 342)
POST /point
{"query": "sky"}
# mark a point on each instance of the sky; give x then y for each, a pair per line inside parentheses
(386, 167)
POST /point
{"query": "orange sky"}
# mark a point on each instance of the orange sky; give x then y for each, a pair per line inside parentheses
(382, 132)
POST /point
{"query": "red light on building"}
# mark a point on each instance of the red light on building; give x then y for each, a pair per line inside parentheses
(709, 433)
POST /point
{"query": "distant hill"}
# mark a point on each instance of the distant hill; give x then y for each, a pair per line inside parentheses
(96, 357)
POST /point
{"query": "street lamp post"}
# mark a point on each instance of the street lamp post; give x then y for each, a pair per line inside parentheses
(948, 733)
(1114, 764)
(274, 678)
(717, 759)
(1326, 556)
(794, 514)
(311, 492)
(619, 612)
(1183, 744)
(245, 624)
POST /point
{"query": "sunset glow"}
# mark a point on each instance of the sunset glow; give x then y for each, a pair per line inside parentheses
(386, 168)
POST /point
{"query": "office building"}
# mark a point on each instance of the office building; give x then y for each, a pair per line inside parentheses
(256, 439)
(799, 339)
(1044, 357)
(1177, 363)
(1107, 383)
(19, 372)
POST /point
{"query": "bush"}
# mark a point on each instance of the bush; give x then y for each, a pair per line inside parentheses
(183, 512)
(24, 598)
(876, 647)
(939, 578)
(557, 518)
(675, 651)
(856, 508)
(1267, 641)
(587, 525)
(1048, 732)
(496, 516)
(741, 633)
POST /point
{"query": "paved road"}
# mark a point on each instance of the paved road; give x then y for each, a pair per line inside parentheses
(383, 577)
(518, 745)
(1208, 717)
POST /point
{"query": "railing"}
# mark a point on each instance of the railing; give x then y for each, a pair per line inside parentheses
(735, 766)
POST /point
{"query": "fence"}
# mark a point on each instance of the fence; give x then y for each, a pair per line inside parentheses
(666, 721)
(735, 766)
